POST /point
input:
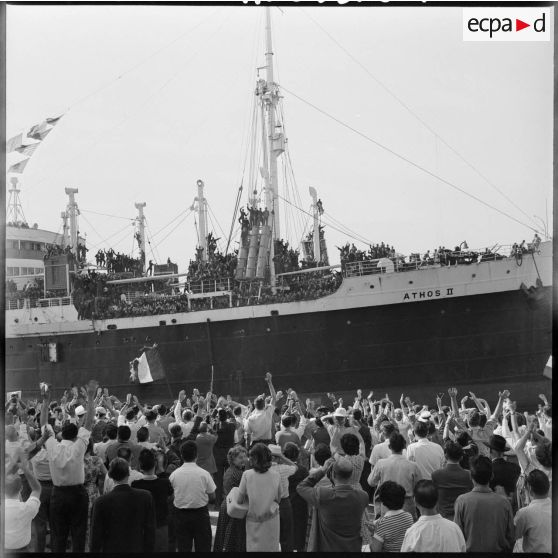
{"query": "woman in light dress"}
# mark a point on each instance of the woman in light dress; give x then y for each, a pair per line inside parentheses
(260, 485)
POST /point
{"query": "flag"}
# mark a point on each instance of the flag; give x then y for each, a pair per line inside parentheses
(41, 135)
(36, 130)
(548, 369)
(13, 143)
(27, 149)
(19, 167)
(54, 121)
(150, 366)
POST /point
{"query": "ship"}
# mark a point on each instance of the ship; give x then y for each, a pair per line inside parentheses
(473, 319)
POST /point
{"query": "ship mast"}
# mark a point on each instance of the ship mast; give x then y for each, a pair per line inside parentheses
(15, 210)
(275, 140)
(202, 219)
(316, 233)
(65, 239)
(73, 211)
(141, 230)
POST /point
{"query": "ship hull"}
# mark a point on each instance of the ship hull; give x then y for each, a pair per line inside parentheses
(484, 342)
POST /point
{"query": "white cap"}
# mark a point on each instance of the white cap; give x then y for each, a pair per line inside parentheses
(340, 412)
(80, 410)
(275, 449)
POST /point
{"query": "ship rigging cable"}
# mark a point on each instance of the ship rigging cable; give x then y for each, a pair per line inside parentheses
(418, 118)
(412, 163)
(363, 240)
(107, 215)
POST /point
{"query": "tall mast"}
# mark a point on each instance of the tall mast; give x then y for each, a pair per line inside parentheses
(15, 211)
(202, 219)
(275, 140)
(65, 239)
(141, 230)
(73, 211)
(316, 228)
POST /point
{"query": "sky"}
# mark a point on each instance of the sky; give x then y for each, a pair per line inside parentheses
(156, 97)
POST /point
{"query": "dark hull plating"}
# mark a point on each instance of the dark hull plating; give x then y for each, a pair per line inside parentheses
(484, 342)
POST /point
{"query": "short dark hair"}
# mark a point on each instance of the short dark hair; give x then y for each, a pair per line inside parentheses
(421, 429)
(176, 431)
(397, 442)
(350, 444)
(538, 483)
(259, 403)
(322, 453)
(453, 450)
(124, 453)
(189, 451)
(357, 414)
(543, 453)
(237, 410)
(142, 434)
(151, 415)
(130, 414)
(222, 415)
(426, 494)
(69, 431)
(111, 431)
(391, 494)
(124, 433)
(187, 415)
(287, 421)
(387, 428)
(260, 458)
(291, 451)
(118, 469)
(146, 460)
(481, 469)
(162, 410)
(474, 419)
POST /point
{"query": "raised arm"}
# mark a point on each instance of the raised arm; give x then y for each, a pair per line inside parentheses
(502, 395)
(452, 392)
(272, 391)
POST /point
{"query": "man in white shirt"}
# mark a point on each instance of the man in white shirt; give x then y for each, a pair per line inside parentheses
(428, 455)
(183, 417)
(382, 451)
(193, 489)
(69, 501)
(534, 523)
(259, 423)
(398, 469)
(19, 515)
(431, 533)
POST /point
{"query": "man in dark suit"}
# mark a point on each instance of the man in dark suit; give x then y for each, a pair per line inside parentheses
(124, 519)
(505, 473)
(451, 480)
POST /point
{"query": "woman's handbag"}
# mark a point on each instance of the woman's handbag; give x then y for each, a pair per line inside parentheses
(234, 508)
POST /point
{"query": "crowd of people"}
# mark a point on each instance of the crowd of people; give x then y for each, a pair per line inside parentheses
(116, 262)
(93, 473)
(286, 258)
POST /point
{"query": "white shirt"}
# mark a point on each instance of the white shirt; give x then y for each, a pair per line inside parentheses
(382, 451)
(433, 533)
(100, 448)
(428, 455)
(66, 459)
(186, 427)
(191, 485)
(110, 484)
(258, 424)
(534, 525)
(18, 517)
(285, 471)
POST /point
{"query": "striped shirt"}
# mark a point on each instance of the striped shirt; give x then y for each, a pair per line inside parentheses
(391, 528)
(285, 471)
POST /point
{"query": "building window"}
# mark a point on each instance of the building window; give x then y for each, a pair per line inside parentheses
(13, 271)
(38, 270)
(14, 244)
